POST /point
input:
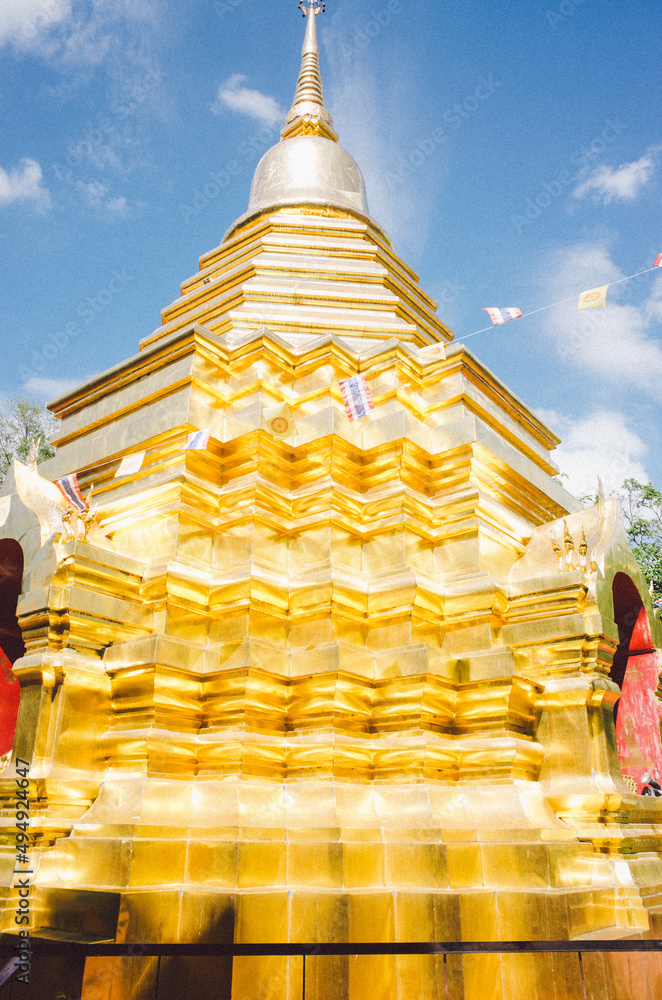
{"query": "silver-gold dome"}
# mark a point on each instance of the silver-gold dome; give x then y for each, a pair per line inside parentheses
(306, 170)
(308, 167)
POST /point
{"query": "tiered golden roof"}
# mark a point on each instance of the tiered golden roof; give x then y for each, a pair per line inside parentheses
(336, 687)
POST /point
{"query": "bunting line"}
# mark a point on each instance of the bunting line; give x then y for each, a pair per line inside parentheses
(572, 298)
(355, 393)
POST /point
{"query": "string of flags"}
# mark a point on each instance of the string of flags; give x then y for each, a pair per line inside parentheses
(278, 420)
(591, 299)
(357, 399)
(355, 392)
(131, 464)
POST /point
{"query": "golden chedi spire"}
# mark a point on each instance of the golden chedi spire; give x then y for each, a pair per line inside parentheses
(308, 114)
(307, 195)
(336, 684)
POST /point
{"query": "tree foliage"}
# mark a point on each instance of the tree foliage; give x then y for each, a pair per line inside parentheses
(641, 509)
(641, 505)
(23, 421)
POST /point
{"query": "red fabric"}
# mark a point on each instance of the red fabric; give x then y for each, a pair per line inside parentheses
(10, 693)
(639, 714)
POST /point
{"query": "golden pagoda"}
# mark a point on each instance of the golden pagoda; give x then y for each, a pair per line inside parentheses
(322, 680)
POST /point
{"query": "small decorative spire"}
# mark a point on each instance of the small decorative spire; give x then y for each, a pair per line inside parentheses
(308, 114)
(569, 545)
(567, 562)
(558, 552)
(583, 549)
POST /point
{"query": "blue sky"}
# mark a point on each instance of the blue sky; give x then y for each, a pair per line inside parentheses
(513, 151)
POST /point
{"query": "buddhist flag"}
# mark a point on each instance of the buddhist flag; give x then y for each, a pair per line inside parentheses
(499, 316)
(658, 261)
(357, 397)
(130, 464)
(198, 440)
(279, 421)
(596, 297)
(432, 351)
(70, 490)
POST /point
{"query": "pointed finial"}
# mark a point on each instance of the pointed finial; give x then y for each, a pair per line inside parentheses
(567, 538)
(583, 550)
(569, 545)
(558, 552)
(308, 114)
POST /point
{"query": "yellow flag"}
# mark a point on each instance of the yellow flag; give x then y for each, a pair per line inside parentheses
(279, 421)
(596, 297)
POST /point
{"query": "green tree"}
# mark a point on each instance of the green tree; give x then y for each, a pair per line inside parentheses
(23, 421)
(641, 505)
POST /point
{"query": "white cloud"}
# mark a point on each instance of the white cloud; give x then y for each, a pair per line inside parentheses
(24, 183)
(50, 388)
(119, 207)
(94, 194)
(234, 95)
(78, 35)
(599, 444)
(25, 23)
(378, 115)
(621, 183)
(615, 343)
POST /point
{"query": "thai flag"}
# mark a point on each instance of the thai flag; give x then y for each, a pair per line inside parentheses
(198, 440)
(70, 490)
(356, 396)
(658, 261)
(499, 316)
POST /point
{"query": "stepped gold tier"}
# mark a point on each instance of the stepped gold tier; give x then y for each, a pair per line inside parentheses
(347, 685)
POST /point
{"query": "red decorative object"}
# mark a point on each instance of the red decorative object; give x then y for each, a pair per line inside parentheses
(636, 669)
(10, 695)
